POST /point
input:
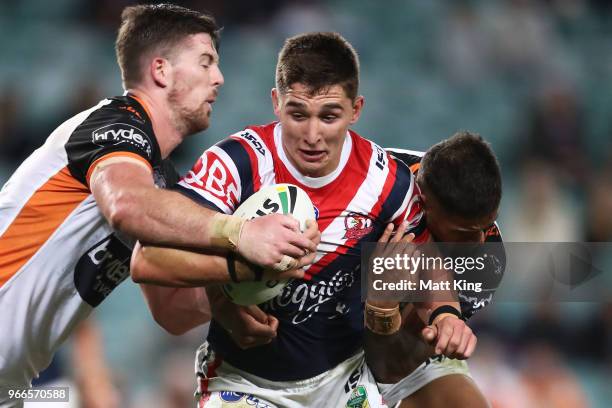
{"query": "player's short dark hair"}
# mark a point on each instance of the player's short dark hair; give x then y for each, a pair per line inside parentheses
(156, 27)
(318, 60)
(463, 174)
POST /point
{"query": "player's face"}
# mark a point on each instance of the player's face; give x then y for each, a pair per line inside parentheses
(196, 79)
(449, 228)
(315, 126)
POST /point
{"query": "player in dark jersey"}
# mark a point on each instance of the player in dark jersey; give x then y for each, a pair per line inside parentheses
(70, 212)
(460, 184)
(317, 357)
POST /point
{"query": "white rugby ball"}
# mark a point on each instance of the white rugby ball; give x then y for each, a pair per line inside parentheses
(278, 198)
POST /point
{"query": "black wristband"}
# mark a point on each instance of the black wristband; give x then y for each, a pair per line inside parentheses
(444, 309)
(231, 267)
(258, 271)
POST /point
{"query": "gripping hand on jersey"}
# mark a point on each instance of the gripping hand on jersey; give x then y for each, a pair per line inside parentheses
(275, 241)
(392, 241)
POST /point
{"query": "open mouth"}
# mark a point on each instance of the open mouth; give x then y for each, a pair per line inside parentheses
(312, 155)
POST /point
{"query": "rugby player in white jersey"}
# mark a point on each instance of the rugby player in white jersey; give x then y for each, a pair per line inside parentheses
(317, 357)
(69, 213)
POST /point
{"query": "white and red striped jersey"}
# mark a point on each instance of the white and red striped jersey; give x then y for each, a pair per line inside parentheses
(321, 316)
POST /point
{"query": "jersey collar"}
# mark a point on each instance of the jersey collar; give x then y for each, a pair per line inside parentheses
(313, 182)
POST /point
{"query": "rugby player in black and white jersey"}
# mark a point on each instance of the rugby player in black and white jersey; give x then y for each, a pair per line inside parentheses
(70, 212)
(460, 185)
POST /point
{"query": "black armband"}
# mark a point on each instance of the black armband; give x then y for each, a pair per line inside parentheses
(444, 309)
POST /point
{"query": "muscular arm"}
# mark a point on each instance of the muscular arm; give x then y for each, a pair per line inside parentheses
(176, 267)
(128, 199)
(177, 310)
(185, 268)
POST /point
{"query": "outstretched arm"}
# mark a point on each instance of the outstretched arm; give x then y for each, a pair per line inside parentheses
(128, 199)
(184, 268)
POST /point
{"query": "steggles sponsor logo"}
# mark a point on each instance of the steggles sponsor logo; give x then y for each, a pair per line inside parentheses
(122, 133)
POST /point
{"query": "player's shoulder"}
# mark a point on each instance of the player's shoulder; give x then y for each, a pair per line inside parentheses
(119, 120)
(381, 161)
(118, 125)
(258, 139)
(367, 148)
(120, 109)
(409, 157)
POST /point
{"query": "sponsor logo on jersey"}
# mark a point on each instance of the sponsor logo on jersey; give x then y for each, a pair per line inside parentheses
(212, 176)
(231, 396)
(242, 400)
(316, 210)
(381, 158)
(101, 269)
(358, 398)
(357, 226)
(117, 133)
(252, 401)
(310, 296)
(254, 142)
(353, 379)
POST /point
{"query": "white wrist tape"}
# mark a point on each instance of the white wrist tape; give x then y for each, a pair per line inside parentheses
(225, 230)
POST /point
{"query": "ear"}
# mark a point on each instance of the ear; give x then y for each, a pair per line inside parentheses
(161, 71)
(422, 193)
(357, 108)
(276, 102)
(423, 198)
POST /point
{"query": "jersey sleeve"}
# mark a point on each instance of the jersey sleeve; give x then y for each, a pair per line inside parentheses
(222, 177)
(109, 132)
(491, 276)
(412, 207)
(404, 201)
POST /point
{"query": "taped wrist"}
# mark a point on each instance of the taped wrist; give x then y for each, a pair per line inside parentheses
(285, 264)
(382, 321)
(225, 230)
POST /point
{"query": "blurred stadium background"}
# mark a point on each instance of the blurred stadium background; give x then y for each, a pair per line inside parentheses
(533, 77)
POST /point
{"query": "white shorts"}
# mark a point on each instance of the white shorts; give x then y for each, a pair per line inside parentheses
(349, 384)
(434, 368)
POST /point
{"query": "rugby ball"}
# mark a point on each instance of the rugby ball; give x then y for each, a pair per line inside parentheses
(278, 198)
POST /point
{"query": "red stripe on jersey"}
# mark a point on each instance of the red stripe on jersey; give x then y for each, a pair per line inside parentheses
(374, 214)
(359, 160)
(254, 164)
(344, 187)
(327, 259)
(423, 237)
(210, 373)
(386, 188)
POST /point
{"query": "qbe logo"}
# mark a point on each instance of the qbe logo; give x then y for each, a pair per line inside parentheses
(117, 133)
